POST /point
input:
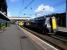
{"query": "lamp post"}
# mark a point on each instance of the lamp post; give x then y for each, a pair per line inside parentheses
(66, 15)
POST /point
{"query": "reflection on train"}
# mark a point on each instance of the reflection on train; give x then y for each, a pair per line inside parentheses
(43, 24)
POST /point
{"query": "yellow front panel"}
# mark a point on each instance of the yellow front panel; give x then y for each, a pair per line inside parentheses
(20, 23)
(54, 26)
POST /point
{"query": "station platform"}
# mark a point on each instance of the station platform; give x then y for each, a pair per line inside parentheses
(62, 29)
(15, 39)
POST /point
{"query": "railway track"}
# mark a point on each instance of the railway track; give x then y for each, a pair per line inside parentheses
(61, 38)
(52, 39)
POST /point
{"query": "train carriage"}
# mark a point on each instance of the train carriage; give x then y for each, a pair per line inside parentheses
(43, 24)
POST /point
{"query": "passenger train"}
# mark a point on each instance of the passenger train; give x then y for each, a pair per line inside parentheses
(46, 25)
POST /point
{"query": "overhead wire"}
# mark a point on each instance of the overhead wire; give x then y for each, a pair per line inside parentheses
(27, 5)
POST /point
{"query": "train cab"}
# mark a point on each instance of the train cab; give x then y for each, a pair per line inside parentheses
(51, 24)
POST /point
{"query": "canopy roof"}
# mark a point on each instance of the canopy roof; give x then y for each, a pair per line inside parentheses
(2, 16)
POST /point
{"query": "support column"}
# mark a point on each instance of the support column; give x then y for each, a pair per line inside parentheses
(66, 18)
(66, 14)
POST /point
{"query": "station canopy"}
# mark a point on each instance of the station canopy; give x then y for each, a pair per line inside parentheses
(4, 17)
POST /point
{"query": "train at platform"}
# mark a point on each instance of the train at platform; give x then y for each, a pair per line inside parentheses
(43, 24)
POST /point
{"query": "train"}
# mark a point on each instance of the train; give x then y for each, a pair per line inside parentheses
(46, 25)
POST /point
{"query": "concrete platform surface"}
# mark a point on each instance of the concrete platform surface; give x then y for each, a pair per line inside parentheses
(14, 39)
(63, 29)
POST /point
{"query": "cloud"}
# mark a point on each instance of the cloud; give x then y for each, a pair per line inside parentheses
(8, 14)
(44, 9)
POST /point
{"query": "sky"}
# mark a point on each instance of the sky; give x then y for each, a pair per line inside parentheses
(32, 8)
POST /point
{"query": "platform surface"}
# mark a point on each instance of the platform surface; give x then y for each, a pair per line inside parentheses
(15, 39)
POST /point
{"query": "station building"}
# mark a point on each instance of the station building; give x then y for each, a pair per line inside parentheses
(3, 14)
